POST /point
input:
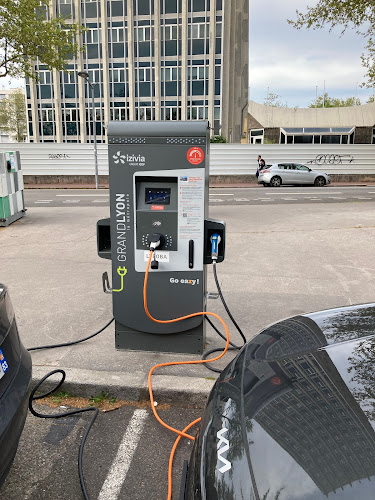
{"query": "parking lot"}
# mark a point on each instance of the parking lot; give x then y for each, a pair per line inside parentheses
(282, 260)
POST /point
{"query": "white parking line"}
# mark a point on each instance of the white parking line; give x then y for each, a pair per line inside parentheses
(99, 201)
(120, 466)
(71, 195)
(43, 201)
(290, 199)
(336, 198)
(71, 201)
(362, 198)
(215, 199)
(241, 199)
(222, 194)
(295, 193)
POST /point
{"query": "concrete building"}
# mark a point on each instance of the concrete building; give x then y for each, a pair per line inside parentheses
(273, 125)
(149, 60)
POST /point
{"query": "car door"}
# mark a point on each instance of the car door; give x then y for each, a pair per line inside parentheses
(283, 172)
(289, 173)
(303, 174)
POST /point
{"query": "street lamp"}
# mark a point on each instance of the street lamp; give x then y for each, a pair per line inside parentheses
(86, 76)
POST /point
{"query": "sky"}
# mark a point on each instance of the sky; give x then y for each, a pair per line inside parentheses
(292, 63)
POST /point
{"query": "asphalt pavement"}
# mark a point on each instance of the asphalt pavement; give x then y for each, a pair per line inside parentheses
(279, 262)
(218, 196)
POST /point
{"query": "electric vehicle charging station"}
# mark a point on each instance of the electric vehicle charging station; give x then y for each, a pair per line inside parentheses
(12, 206)
(158, 180)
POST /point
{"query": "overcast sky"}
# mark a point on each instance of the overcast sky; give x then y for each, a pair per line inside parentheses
(293, 62)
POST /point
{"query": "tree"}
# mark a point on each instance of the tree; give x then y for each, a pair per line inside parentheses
(27, 32)
(349, 14)
(13, 115)
(218, 138)
(334, 102)
(272, 100)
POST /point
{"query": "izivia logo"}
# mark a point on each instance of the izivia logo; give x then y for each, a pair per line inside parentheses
(119, 158)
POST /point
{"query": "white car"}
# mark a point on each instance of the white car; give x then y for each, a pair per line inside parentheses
(291, 173)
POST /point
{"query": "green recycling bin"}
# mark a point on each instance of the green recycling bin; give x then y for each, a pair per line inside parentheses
(12, 205)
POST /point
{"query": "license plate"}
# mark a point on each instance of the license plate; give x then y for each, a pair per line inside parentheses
(3, 364)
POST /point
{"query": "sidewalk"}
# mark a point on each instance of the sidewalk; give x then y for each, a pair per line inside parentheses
(50, 265)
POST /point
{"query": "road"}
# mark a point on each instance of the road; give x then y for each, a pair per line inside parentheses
(218, 196)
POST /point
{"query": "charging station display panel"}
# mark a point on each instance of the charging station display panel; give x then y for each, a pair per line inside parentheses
(160, 196)
(158, 185)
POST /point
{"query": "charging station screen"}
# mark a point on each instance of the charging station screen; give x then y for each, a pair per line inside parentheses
(161, 196)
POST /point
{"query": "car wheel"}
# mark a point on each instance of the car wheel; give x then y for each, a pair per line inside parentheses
(275, 181)
(320, 181)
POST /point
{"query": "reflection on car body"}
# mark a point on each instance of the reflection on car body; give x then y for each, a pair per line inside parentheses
(15, 377)
(298, 407)
(292, 173)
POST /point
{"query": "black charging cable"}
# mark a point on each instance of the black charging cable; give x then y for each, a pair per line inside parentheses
(52, 346)
(65, 414)
(233, 347)
(225, 304)
(68, 413)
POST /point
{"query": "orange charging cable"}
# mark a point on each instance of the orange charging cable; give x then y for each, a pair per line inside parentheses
(199, 361)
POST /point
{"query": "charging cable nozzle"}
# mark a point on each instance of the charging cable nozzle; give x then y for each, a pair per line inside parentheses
(215, 240)
(155, 240)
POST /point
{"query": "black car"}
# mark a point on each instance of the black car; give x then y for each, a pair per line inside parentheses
(15, 378)
(293, 415)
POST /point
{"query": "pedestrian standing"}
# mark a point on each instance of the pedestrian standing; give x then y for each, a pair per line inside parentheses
(261, 163)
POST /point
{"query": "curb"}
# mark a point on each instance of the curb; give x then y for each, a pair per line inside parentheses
(129, 387)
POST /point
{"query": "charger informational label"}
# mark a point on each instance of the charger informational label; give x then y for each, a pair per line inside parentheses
(159, 256)
(191, 206)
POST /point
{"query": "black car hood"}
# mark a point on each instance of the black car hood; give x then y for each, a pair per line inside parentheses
(293, 415)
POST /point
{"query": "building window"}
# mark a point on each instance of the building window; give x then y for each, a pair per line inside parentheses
(170, 74)
(198, 5)
(198, 73)
(93, 36)
(143, 7)
(116, 9)
(116, 34)
(198, 30)
(197, 113)
(90, 9)
(143, 34)
(257, 136)
(145, 113)
(169, 32)
(119, 114)
(171, 113)
(144, 78)
(143, 75)
(316, 135)
(170, 6)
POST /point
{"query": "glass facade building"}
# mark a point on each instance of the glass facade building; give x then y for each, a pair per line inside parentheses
(148, 60)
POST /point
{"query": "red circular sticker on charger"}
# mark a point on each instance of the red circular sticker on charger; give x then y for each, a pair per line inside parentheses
(195, 155)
